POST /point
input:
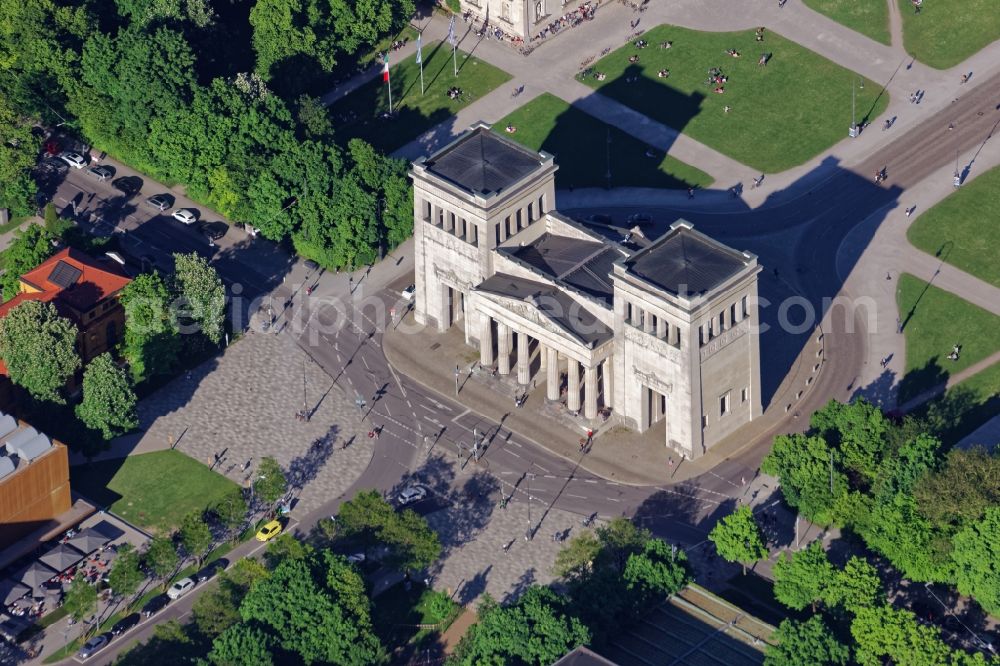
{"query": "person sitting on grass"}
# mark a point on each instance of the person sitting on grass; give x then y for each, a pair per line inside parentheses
(633, 59)
(663, 73)
(720, 90)
(733, 52)
(600, 76)
(666, 45)
(510, 129)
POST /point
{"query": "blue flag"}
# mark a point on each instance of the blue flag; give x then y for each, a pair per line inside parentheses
(451, 32)
(420, 57)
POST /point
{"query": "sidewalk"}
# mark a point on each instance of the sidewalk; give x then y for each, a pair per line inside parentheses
(617, 453)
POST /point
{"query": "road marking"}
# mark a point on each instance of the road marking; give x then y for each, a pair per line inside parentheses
(386, 405)
(434, 421)
(513, 454)
(576, 496)
(612, 499)
(365, 361)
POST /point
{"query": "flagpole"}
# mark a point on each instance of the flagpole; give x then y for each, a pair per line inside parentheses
(420, 57)
(454, 59)
(388, 81)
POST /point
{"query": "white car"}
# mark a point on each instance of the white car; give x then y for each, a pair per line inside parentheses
(411, 494)
(356, 558)
(75, 160)
(180, 588)
(185, 216)
(409, 291)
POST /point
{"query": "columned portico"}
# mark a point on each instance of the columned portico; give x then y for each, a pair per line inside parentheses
(523, 369)
(573, 385)
(503, 348)
(552, 374)
(486, 341)
(590, 392)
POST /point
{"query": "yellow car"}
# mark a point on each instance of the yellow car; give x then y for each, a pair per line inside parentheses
(269, 531)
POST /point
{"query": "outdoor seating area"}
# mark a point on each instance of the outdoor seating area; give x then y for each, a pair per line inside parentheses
(30, 590)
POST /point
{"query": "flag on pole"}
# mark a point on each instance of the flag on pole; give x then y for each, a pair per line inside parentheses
(420, 57)
(385, 69)
(451, 32)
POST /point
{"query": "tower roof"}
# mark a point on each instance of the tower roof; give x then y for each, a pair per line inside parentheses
(686, 262)
(483, 162)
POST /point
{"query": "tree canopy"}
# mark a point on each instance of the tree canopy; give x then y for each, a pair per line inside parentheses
(152, 343)
(27, 250)
(202, 291)
(109, 401)
(537, 629)
(977, 560)
(370, 519)
(803, 579)
(269, 482)
(39, 348)
(125, 576)
(806, 644)
(737, 538)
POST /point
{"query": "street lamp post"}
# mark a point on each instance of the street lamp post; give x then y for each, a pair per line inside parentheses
(529, 533)
(457, 373)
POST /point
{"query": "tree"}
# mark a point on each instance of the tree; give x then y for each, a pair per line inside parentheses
(859, 429)
(195, 535)
(737, 538)
(201, 287)
(659, 571)
(537, 629)
(620, 539)
(152, 343)
(856, 586)
(162, 556)
(242, 645)
(962, 490)
(81, 598)
(286, 547)
(314, 118)
(316, 608)
(125, 576)
(977, 560)
(109, 400)
(29, 248)
(883, 631)
(576, 560)
(231, 510)
(370, 519)
(805, 644)
(18, 149)
(217, 608)
(269, 483)
(39, 348)
(805, 465)
(803, 579)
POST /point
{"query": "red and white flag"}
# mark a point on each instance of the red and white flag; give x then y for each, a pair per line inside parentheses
(385, 69)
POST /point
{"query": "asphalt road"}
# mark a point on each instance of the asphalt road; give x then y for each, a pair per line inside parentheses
(799, 237)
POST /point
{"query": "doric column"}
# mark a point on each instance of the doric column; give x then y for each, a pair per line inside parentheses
(486, 341)
(543, 356)
(573, 376)
(552, 374)
(661, 328)
(590, 392)
(523, 370)
(647, 322)
(503, 348)
(606, 380)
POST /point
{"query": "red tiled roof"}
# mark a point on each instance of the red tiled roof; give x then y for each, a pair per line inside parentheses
(96, 281)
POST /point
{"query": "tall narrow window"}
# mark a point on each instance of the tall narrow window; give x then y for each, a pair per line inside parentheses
(724, 405)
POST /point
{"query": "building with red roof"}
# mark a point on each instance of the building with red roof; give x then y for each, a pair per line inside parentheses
(84, 290)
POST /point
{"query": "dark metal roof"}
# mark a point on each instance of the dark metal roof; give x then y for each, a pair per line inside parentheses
(64, 275)
(581, 264)
(553, 305)
(686, 262)
(483, 162)
(582, 656)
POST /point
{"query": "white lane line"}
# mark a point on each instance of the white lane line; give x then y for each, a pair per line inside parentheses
(409, 404)
(365, 361)
(576, 496)
(590, 480)
(548, 476)
(540, 467)
(386, 405)
(434, 421)
(612, 499)
(513, 454)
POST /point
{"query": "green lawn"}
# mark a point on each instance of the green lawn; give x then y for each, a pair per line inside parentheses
(961, 229)
(577, 140)
(153, 490)
(782, 114)
(360, 113)
(935, 320)
(944, 34)
(869, 17)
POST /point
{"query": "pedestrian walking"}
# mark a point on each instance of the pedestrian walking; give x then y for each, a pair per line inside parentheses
(670, 461)
(913, 97)
(727, 109)
(506, 546)
(965, 77)
(690, 193)
(888, 276)
(743, 480)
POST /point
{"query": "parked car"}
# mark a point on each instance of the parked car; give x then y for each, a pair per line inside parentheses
(158, 202)
(100, 173)
(356, 558)
(124, 624)
(210, 570)
(409, 292)
(269, 531)
(155, 605)
(411, 494)
(214, 230)
(128, 185)
(91, 647)
(75, 160)
(640, 219)
(180, 588)
(185, 216)
(310, 265)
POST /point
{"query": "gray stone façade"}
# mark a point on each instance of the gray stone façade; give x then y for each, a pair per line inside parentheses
(655, 332)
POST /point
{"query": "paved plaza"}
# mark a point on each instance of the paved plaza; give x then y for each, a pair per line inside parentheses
(242, 406)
